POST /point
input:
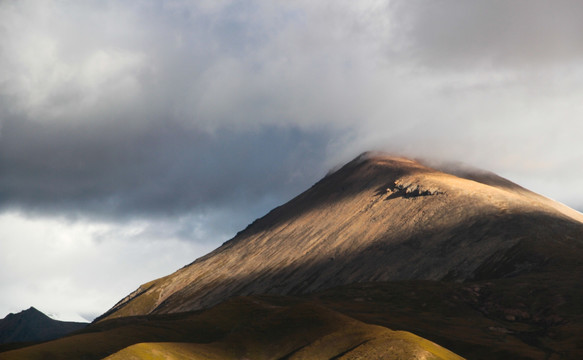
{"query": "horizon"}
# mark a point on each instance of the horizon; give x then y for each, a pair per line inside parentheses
(136, 137)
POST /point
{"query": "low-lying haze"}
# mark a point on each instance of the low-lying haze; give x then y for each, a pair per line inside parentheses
(136, 136)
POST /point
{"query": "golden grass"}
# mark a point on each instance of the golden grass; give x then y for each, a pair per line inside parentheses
(170, 351)
(245, 328)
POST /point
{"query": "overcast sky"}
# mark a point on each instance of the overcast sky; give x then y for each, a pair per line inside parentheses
(136, 136)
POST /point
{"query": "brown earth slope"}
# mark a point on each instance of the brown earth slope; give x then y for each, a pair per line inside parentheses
(378, 218)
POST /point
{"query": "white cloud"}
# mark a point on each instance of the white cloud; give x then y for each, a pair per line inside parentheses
(62, 62)
(80, 269)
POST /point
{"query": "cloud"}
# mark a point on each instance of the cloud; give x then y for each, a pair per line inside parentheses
(240, 62)
(498, 33)
(155, 169)
(140, 108)
(170, 108)
(64, 271)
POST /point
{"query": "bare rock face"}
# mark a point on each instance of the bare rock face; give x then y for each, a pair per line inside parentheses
(378, 218)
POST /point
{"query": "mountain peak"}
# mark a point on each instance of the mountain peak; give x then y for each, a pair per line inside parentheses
(28, 313)
(32, 310)
(33, 325)
(377, 218)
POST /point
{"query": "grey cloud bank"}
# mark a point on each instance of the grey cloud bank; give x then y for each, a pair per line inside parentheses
(178, 122)
(161, 169)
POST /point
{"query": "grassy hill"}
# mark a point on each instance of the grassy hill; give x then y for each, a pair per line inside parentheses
(248, 327)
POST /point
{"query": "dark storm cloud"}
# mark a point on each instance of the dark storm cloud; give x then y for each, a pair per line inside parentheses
(157, 168)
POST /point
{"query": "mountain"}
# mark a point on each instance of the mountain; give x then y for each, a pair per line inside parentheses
(378, 218)
(385, 257)
(32, 326)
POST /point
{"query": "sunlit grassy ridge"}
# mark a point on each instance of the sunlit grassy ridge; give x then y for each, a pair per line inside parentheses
(241, 328)
(299, 332)
(170, 351)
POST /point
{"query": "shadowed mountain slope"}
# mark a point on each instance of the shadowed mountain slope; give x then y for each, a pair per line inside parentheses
(32, 325)
(378, 218)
